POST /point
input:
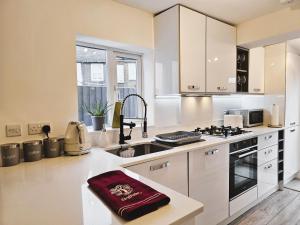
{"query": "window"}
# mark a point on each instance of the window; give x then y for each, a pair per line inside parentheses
(120, 74)
(106, 76)
(97, 72)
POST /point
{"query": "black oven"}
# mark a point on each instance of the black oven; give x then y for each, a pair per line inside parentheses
(243, 167)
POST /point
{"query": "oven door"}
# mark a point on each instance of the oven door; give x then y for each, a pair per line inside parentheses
(243, 171)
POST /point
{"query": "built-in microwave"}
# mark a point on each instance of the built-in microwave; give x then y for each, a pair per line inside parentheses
(251, 117)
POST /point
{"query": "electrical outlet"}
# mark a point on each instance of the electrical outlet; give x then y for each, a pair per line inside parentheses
(13, 130)
(36, 128)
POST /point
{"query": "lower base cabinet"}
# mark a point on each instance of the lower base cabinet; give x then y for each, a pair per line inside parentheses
(169, 171)
(209, 183)
(267, 177)
(291, 152)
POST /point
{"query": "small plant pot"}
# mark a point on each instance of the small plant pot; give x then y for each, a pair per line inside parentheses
(98, 122)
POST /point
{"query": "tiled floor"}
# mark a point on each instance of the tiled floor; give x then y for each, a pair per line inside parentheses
(281, 208)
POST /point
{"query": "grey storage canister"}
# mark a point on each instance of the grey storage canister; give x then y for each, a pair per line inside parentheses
(51, 147)
(32, 150)
(9, 154)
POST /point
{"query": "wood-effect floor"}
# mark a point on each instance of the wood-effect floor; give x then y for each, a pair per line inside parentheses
(281, 208)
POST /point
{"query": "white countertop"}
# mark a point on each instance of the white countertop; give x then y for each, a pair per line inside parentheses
(55, 191)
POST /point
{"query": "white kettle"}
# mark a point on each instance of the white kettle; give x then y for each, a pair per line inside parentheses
(77, 141)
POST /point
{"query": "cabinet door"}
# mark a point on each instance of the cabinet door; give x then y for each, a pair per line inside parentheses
(275, 69)
(166, 41)
(257, 70)
(192, 50)
(221, 57)
(292, 89)
(267, 177)
(209, 183)
(169, 171)
(291, 152)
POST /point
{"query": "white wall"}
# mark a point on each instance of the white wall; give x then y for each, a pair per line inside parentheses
(37, 55)
(269, 29)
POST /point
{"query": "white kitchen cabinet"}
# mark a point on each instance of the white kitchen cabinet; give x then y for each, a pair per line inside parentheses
(221, 57)
(166, 41)
(209, 183)
(291, 152)
(192, 51)
(292, 88)
(267, 177)
(169, 171)
(275, 62)
(257, 70)
(179, 51)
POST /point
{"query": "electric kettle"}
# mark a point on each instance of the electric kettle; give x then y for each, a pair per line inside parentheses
(77, 141)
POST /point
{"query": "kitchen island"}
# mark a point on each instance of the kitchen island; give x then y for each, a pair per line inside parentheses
(55, 191)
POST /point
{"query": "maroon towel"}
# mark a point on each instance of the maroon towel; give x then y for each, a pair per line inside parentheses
(128, 197)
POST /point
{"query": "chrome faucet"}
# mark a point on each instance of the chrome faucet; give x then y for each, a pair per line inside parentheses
(122, 137)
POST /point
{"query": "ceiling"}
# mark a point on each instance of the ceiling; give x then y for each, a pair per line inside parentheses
(231, 11)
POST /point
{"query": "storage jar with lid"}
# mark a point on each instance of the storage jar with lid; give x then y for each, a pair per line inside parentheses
(51, 147)
(9, 154)
(32, 150)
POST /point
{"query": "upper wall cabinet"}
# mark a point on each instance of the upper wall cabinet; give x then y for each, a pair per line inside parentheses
(221, 57)
(179, 51)
(275, 62)
(183, 39)
(257, 70)
(192, 51)
(282, 78)
(166, 40)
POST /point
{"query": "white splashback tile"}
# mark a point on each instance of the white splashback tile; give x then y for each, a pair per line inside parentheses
(167, 111)
(195, 110)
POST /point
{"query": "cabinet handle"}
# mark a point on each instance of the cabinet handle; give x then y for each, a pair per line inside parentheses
(221, 88)
(160, 166)
(193, 87)
(292, 130)
(246, 154)
(269, 137)
(256, 89)
(212, 152)
(268, 166)
(268, 151)
(293, 123)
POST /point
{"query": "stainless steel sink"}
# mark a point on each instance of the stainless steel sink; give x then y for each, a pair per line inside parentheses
(128, 151)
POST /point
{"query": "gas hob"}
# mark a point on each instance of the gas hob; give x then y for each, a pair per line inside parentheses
(221, 131)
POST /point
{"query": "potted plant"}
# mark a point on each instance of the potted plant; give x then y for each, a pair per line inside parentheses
(97, 112)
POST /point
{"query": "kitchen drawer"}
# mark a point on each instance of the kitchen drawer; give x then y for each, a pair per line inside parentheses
(267, 140)
(170, 171)
(242, 201)
(267, 154)
(267, 177)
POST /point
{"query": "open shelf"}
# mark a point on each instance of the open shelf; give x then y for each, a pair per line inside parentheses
(280, 157)
(242, 67)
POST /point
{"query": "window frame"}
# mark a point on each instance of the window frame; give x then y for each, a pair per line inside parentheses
(110, 67)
